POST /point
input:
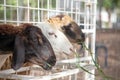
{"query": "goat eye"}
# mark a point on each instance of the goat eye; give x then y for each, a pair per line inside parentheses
(35, 39)
(67, 29)
(63, 28)
(40, 41)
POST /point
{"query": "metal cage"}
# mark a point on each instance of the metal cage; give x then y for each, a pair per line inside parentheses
(35, 11)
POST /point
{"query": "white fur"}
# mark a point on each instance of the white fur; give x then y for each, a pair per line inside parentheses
(58, 40)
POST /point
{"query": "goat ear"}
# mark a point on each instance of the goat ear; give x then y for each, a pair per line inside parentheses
(19, 53)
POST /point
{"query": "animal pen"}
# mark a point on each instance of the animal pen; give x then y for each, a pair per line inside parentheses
(35, 11)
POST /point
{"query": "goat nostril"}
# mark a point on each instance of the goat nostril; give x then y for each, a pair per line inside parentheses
(78, 40)
(47, 67)
(83, 36)
(71, 49)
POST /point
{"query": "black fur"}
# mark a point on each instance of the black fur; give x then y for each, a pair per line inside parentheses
(27, 44)
(73, 32)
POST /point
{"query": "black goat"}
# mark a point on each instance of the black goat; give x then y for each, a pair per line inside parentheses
(28, 44)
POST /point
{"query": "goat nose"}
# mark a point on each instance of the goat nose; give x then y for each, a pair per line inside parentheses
(83, 37)
(16, 67)
(47, 67)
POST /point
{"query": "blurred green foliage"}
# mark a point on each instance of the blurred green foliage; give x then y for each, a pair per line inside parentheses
(111, 4)
(11, 11)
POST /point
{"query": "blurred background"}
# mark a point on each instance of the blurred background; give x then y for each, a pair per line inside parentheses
(108, 37)
(108, 14)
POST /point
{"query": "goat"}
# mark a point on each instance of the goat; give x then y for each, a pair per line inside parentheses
(28, 44)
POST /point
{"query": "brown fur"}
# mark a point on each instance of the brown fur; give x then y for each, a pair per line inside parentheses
(60, 20)
(9, 29)
(12, 29)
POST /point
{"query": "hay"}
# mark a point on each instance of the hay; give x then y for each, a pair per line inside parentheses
(5, 61)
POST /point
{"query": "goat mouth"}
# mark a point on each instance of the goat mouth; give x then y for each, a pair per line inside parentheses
(79, 41)
(45, 65)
